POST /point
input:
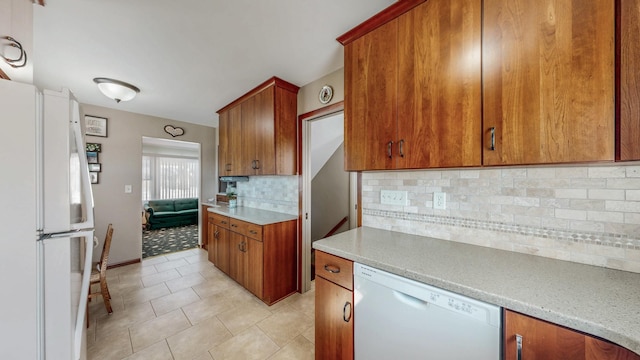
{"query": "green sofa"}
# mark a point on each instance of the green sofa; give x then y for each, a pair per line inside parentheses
(169, 213)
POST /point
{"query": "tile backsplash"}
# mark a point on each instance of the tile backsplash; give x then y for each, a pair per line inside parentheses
(585, 214)
(274, 193)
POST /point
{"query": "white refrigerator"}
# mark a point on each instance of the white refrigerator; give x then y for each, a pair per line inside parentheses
(46, 217)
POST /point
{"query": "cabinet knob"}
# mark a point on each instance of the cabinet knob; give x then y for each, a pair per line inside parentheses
(332, 269)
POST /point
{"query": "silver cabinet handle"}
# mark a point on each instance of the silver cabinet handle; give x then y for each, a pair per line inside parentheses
(344, 312)
(216, 234)
(257, 164)
(253, 232)
(389, 149)
(518, 347)
(332, 269)
(234, 225)
(223, 222)
(401, 148)
(493, 139)
(228, 167)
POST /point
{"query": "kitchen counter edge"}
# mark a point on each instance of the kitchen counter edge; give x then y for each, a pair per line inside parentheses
(252, 215)
(594, 300)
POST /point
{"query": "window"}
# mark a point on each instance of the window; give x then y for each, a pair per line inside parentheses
(169, 177)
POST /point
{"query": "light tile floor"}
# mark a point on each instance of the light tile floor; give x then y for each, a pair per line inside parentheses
(180, 306)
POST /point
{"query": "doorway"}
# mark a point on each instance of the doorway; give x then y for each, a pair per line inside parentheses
(328, 199)
(171, 183)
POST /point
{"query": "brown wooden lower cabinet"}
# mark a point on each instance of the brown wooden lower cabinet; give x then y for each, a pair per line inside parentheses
(541, 340)
(204, 221)
(261, 258)
(334, 308)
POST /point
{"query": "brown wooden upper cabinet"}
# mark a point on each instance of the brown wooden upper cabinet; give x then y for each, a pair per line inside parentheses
(628, 129)
(258, 131)
(498, 82)
(413, 87)
(548, 81)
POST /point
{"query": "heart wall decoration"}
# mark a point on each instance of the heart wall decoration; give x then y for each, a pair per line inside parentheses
(173, 131)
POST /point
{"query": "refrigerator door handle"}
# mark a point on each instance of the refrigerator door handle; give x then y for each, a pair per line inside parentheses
(88, 222)
(84, 292)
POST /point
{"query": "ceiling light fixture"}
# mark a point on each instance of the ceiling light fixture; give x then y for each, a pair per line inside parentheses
(116, 89)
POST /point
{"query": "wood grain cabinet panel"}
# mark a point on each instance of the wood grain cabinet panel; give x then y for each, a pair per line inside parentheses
(262, 258)
(548, 81)
(230, 162)
(334, 321)
(413, 90)
(439, 85)
(628, 127)
(370, 102)
(546, 341)
(260, 131)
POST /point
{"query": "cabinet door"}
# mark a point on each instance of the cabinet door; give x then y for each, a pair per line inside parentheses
(334, 335)
(264, 136)
(234, 157)
(236, 257)
(224, 145)
(221, 251)
(211, 248)
(370, 80)
(548, 80)
(439, 85)
(253, 267)
(545, 341)
(248, 131)
(629, 121)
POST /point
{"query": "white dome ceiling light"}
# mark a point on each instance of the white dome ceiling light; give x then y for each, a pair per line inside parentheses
(116, 89)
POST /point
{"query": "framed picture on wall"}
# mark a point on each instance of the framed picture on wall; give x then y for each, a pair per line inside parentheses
(92, 157)
(94, 177)
(94, 147)
(95, 126)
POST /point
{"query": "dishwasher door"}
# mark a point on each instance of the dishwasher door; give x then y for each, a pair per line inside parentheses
(398, 318)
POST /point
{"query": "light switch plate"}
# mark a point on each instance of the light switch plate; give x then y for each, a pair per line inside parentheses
(127, 189)
(394, 197)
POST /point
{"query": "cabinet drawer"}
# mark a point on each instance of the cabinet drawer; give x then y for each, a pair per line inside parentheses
(335, 269)
(239, 226)
(220, 220)
(254, 231)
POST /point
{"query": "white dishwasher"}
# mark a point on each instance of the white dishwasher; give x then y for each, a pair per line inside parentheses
(398, 318)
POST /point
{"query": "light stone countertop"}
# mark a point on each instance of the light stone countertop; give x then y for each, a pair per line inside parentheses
(591, 299)
(252, 215)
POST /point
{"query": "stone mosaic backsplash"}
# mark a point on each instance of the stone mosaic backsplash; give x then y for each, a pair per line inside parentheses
(586, 214)
(274, 193)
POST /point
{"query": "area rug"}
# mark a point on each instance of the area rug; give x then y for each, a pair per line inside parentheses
(168, 240)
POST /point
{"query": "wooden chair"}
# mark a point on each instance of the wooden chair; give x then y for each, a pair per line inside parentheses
(99, 275)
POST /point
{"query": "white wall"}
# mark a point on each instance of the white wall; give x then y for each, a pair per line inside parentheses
(16, 20)
(585, 214)
(121, 159)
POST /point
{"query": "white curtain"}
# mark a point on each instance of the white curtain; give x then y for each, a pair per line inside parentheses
(169, 177)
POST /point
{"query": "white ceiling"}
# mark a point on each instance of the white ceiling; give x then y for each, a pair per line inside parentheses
(189, 57)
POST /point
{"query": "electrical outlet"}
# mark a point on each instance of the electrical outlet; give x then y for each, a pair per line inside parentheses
(127, 189)
(394, 197)
(439, 200)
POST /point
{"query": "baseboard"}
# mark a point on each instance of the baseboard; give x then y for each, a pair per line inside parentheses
(124, 263)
